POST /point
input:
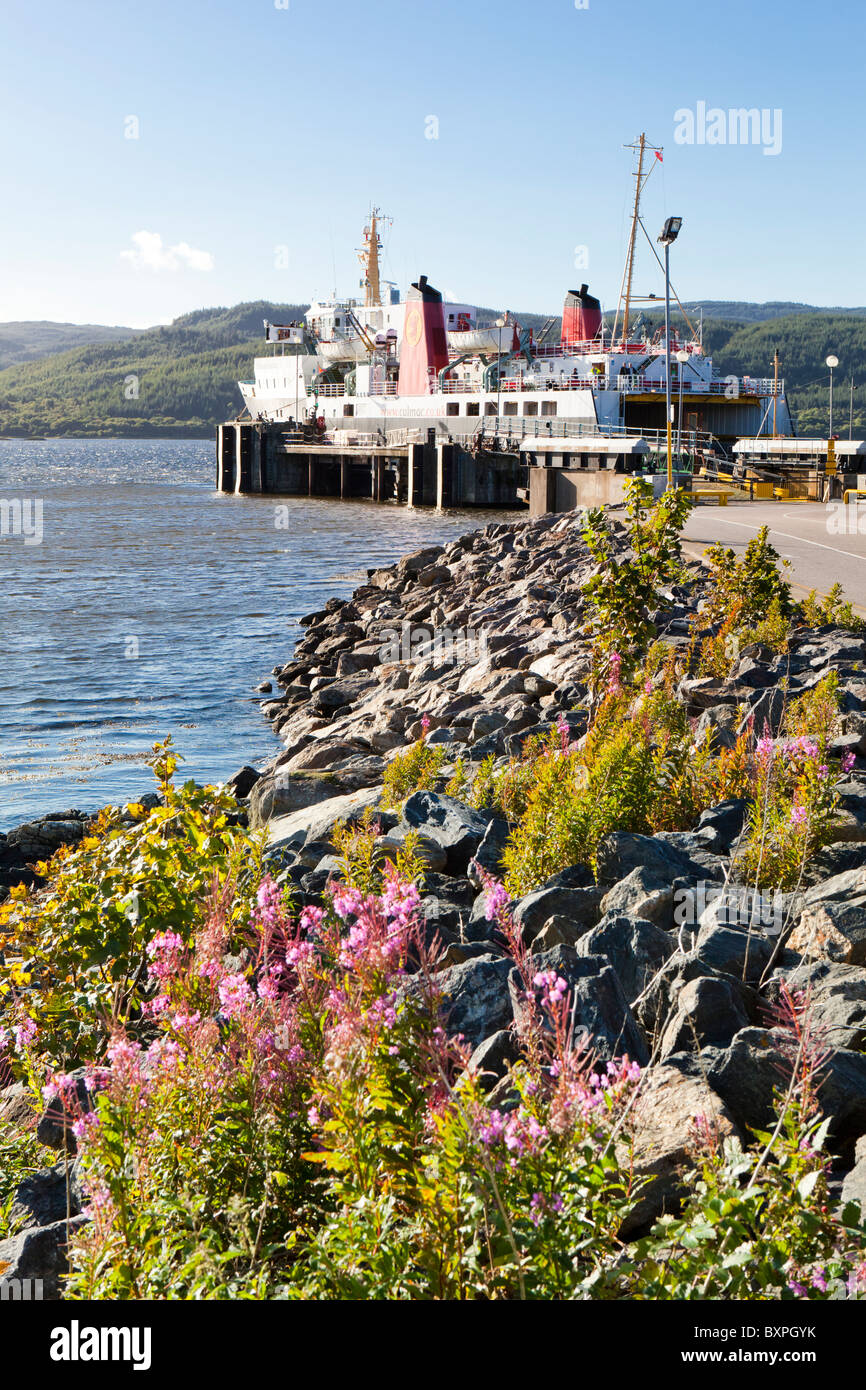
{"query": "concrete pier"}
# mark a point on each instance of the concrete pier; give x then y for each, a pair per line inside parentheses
(262, 458)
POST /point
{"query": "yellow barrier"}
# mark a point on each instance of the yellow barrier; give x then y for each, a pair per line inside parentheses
(852, 492)
(706, 494)
(762, 490)
(781, 492)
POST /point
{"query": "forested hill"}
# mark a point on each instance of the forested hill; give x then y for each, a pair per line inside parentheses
(804, 342)
(743, 312)
(181, 378)
(23, 342)
(177, 379)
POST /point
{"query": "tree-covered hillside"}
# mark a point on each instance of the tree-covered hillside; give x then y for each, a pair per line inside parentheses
(804, 342)
(25, 341)
(178, 379)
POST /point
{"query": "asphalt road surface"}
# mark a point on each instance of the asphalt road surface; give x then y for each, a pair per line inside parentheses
(824, 543)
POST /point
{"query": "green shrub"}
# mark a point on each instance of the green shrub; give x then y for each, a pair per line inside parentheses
(415, 770)
(832, 609)
(620, 594)
(753, 583)
(74, 953)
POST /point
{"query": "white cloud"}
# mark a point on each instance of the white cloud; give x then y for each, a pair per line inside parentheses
(149, 253)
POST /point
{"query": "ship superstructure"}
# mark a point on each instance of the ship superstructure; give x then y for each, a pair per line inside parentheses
(387, 364)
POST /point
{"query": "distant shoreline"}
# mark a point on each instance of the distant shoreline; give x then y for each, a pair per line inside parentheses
(174, 433)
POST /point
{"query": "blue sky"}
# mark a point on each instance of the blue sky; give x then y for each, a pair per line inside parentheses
(262, 127)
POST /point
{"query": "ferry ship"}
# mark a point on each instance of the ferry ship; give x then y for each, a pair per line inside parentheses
(364, 371)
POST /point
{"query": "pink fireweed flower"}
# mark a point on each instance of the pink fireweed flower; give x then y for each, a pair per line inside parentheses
(85, 1126)
(425, 723)
(24, 1034)
(235, 995)
(496, 899)
(96, 1078)
(100, 1207)
(799, 815)
(493, 1131)
(848, 762)
(163, 952)
(311, 920)
(614, 685)
(164, 1053)
(764, 750)
(802, 747)
(347, 901)
(299, 954)
(268, 903)
(400, 900)
(552, 986)
(125, 1057)
(267, 987)
(164, 941)
(184, 1021)
(60, 1086)
(523, 1133)
(564, 733)
(157, 1006)
(383, 1012)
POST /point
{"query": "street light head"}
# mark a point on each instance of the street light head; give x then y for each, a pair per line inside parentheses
(670, 231)
(832, 361)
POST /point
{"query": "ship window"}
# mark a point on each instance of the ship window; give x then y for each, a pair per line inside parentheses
(510, 408)
(530, 407)
(548, 407)
(452, 408)
(473, 408)
(450, 318)
(348, 410)
(490, 408)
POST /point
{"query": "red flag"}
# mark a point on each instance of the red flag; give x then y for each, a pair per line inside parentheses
(658, 155)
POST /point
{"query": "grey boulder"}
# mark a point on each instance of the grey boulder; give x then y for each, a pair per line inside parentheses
(637, 949)
(457, 828)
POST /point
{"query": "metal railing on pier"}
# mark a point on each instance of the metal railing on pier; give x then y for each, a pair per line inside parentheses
(514, 429)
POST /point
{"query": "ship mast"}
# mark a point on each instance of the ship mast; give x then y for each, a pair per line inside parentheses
(368, 255)
(628, 271)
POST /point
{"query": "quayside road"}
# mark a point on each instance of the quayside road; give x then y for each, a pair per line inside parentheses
(805, 533)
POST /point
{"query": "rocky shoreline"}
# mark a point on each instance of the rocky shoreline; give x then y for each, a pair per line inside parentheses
(474, 647)
(694, 1004)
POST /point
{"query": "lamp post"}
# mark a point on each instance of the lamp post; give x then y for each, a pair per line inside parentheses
(682, 359)
(499, 384)
(831, 363)
(670, 232)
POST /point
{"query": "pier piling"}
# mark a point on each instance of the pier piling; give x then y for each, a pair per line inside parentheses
(262, 458)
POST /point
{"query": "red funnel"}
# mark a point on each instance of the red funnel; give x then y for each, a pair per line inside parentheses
(425, 347)
(581, 317)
